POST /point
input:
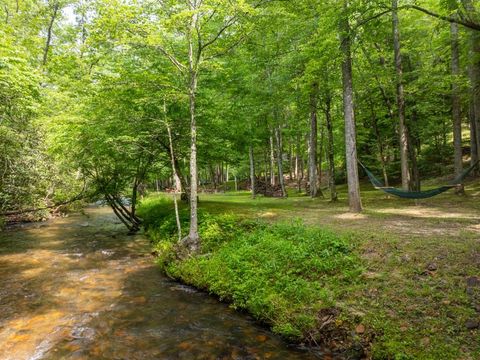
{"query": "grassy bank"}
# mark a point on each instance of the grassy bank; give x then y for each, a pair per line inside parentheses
(396, 277)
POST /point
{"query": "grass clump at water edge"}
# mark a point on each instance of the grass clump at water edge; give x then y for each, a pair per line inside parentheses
(286, 275)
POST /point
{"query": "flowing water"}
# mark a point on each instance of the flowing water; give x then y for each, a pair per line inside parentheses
(79, 288)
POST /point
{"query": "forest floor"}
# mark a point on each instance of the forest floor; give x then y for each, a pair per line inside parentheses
(418, 295)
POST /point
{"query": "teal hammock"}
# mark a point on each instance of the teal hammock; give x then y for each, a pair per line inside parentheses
(378, 184)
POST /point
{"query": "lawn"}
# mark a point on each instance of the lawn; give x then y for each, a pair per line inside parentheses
(401, 279)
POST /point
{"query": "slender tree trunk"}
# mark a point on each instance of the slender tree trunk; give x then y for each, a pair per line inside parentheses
(312, 142)
(49, 32)
(355, 201)
(290, 158)
(178, 184)
(133, 206)
(403, 132)
(272, 162)
(278, 137)
(192, 241)
(331, 150)
(252, 171)
(456, 105)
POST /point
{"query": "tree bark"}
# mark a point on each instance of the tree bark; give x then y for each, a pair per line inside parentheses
(354, 199)
(312, 142)
(403, 132)
(456, 106)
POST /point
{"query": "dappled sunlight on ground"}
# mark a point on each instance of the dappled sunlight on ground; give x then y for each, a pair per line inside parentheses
(351, 216)
(428, 212)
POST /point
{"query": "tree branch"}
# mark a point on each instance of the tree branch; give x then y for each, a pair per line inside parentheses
(172, 59)
(19, 212)
(452, 19)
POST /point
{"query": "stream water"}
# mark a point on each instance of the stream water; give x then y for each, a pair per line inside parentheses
(79, 288)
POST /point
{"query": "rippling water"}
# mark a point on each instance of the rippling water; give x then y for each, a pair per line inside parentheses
(78, 288)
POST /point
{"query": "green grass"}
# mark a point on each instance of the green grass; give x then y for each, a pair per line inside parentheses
(368, 269)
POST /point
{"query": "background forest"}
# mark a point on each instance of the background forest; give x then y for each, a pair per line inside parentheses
(90, 91)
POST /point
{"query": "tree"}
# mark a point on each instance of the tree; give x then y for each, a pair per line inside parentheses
(349, 113)
(403, 130)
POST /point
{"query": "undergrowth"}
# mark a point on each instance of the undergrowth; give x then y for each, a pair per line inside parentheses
(284, 274)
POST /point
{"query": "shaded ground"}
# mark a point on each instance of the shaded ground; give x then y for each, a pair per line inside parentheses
(420, 292)
(78, 288)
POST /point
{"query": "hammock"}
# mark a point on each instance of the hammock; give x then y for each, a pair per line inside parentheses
(378, 184)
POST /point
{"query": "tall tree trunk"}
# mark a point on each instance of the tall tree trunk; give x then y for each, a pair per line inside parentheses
(49, 32)
(252, 171)
(331, 150)
(354, 199)
(312, 142)
(403, 132)
(192, 241)
(278, 137)
(456, 105)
